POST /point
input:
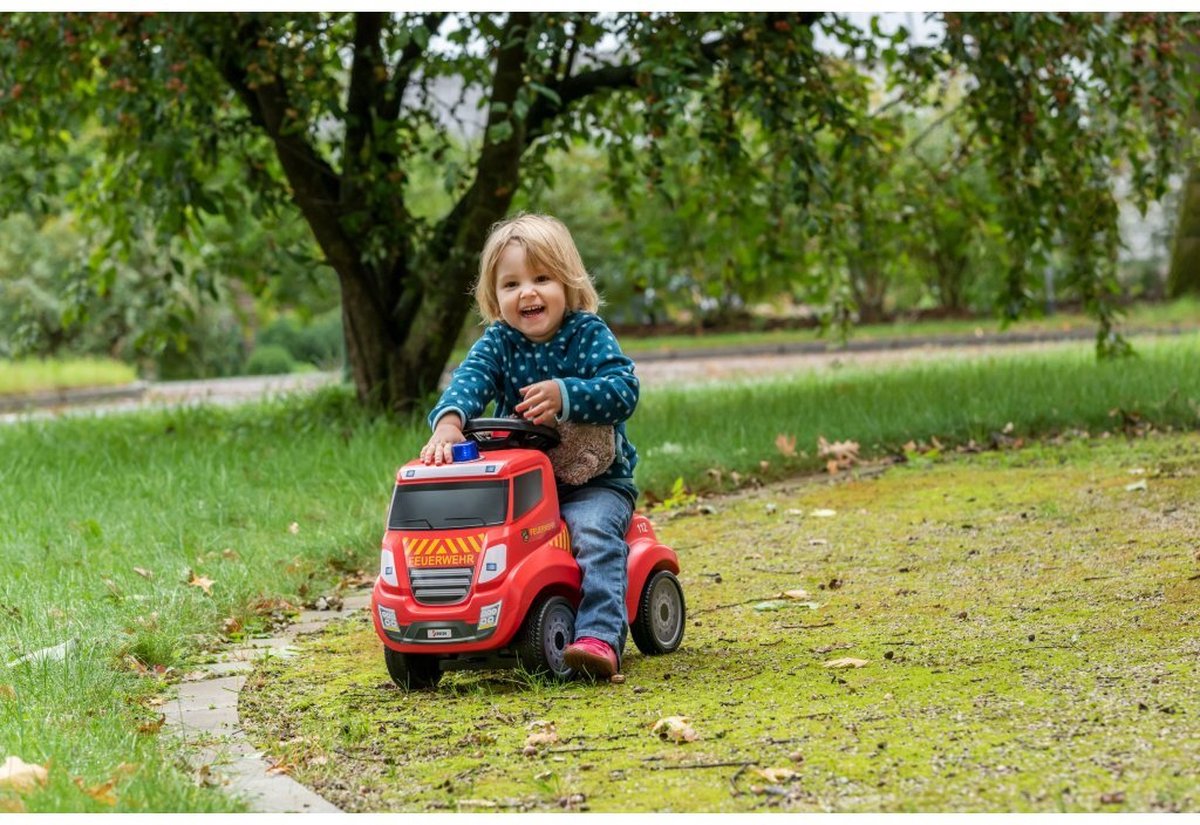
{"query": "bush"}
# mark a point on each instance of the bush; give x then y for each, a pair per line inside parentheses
(320, 343)
(270, 359)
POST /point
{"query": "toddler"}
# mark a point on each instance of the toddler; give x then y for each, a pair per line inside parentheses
(547, 356)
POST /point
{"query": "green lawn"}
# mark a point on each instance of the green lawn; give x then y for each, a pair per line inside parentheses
(46, 375)
(108, 519)
(1183, 313)
(1023, 621)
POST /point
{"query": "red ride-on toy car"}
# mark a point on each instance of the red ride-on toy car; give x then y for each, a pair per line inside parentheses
(476, 569)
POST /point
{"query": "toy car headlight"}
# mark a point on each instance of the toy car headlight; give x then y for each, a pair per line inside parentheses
(387, 567)
(495, 559)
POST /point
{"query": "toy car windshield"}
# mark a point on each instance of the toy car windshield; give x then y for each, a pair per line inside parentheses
(448, 505)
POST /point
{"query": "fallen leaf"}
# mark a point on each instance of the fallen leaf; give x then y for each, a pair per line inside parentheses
(231, 625)
(793, 594)
(1114, 798)
(135, 664)
(206, 777)
(786, 444)
(675, 728)
(230, 554)
(841, 455)
(847, 662)
(543, 734)
(824, 513)
(143, 572)
(294, 528)
(12, 806)
(102, 793)
(776, 775)
(6, 692)
(1135, 486)
(18, 775)
(203, 582)
(153, 727)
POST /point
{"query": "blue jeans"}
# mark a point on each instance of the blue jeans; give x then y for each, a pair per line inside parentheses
(598, 519)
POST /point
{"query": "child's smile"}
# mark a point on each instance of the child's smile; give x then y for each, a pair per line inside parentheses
(531, 301)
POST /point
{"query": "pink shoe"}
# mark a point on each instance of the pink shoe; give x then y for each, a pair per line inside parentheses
(591, 656)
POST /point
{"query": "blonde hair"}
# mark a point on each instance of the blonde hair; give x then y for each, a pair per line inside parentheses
(548, 248)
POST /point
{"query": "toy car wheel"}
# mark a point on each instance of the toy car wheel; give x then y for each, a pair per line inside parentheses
(658, 627)
(412, 671)
(548, 630)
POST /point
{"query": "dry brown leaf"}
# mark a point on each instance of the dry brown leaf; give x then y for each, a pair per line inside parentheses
(786, 444)
(793, 594)
(675, 728)
(231, 625)
(230, 554)
(206, 777)
(841, 455)
(102, 793)
(6, 692)
(135, 664)
(12, 806)
(846, 662)
(910, 446)
(203, 582)
(143, 572)
(153, 727)
(543, 734)
(280, 766)
(18, 775)
(776, 775)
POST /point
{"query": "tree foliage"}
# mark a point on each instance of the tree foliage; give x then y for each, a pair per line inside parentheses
(334, 114)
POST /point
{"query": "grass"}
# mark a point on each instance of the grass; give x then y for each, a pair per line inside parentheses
(107, 519)
(46, 375)
(1182, 313)
(705, 434)
(1024, 623)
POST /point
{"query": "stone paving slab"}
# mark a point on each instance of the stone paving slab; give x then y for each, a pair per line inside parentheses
(205, 716)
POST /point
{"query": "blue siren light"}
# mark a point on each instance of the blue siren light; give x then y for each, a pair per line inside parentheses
(465, 451)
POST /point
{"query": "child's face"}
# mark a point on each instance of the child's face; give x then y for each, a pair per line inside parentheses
(531, 302)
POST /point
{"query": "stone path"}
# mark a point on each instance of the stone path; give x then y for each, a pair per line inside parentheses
(205, 717)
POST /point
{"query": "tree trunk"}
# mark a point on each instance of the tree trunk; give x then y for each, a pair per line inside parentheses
(1184, 276)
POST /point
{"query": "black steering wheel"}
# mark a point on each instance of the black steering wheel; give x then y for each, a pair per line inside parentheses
(501, 433)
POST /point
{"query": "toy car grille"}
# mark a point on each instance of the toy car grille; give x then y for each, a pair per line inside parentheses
(440, 585)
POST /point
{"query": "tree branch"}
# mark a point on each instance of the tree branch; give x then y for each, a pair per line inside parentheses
(410, 56)
(360, 97)
(571, 89)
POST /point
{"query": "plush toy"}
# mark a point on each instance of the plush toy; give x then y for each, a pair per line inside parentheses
(586, 450)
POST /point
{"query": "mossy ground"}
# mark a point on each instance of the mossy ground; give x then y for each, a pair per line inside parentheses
(1027, 620)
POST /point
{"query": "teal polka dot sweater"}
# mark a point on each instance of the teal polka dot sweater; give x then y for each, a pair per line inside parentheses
(596, 380)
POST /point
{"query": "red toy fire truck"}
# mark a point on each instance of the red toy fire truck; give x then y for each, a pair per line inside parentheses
(476, 568)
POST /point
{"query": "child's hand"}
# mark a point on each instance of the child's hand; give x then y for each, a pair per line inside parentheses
(447, 433)
(542, 402)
